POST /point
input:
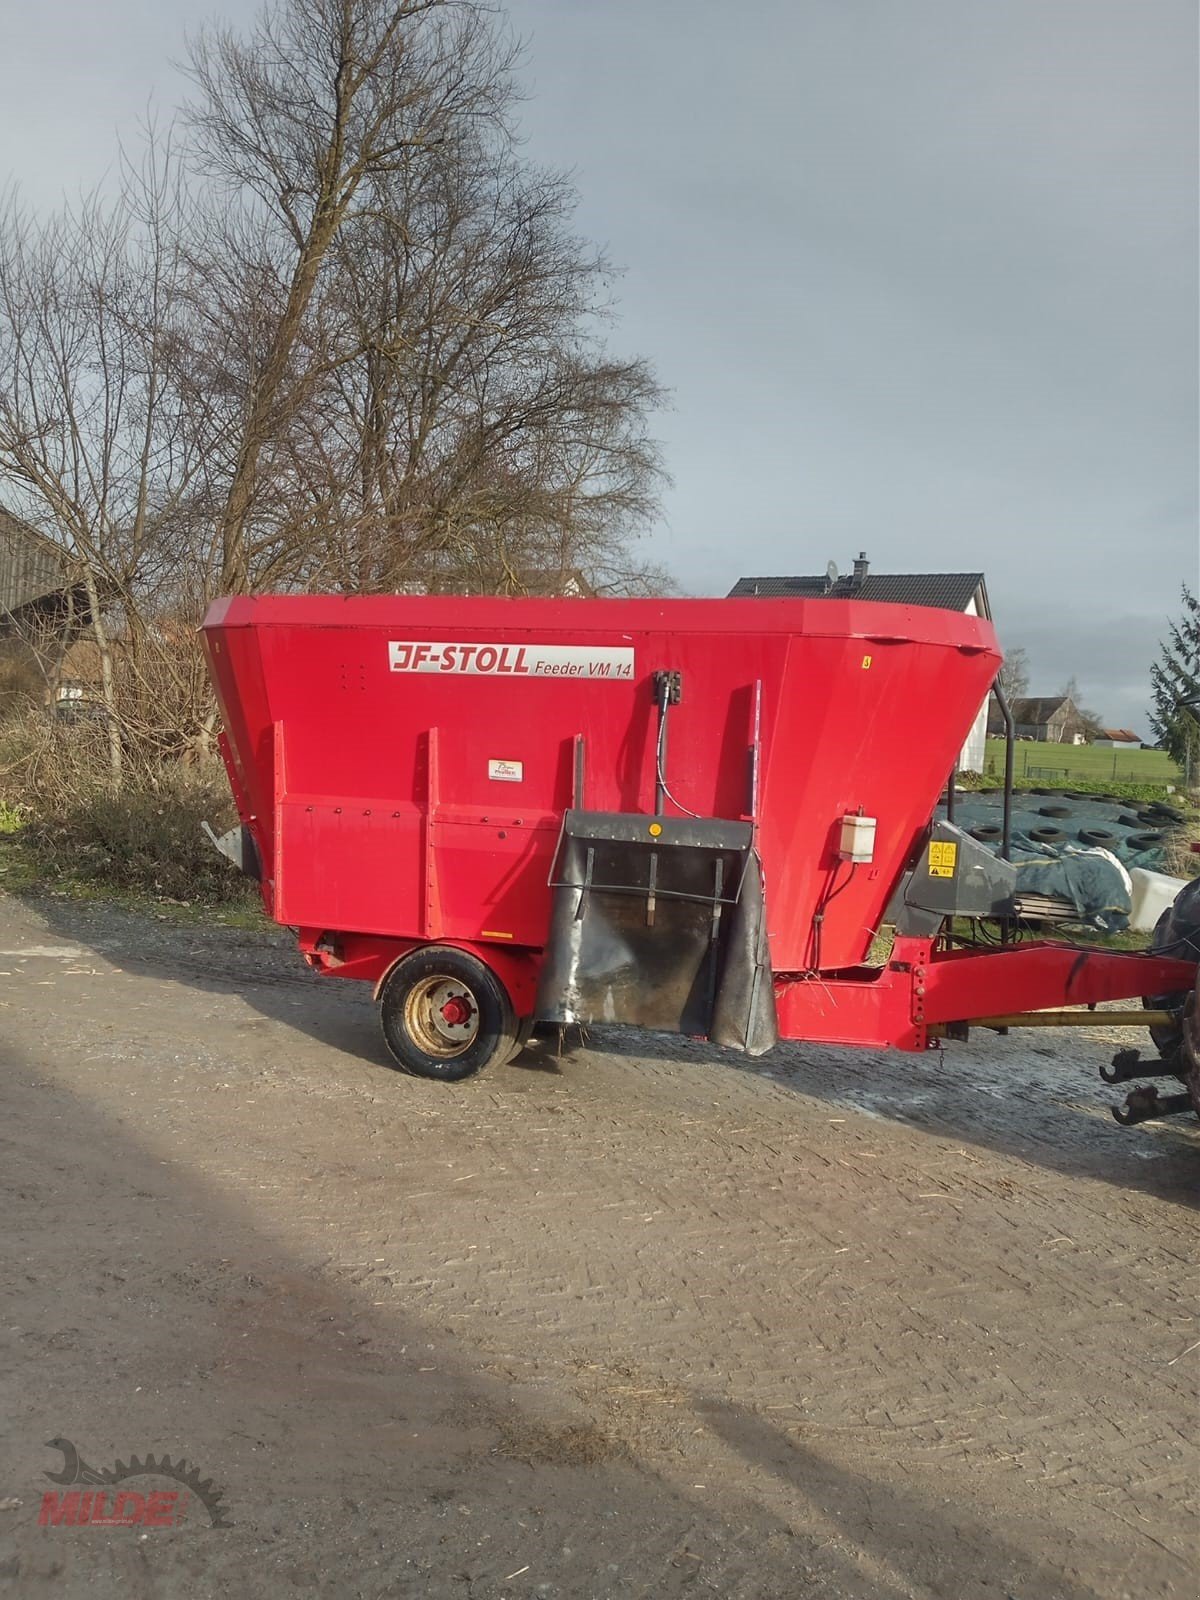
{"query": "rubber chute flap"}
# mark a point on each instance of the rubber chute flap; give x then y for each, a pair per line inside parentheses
(658, 922)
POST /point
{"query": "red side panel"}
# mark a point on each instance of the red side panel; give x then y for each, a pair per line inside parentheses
(395, 793)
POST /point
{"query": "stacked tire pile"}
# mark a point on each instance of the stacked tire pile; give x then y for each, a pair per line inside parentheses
(1051, 820)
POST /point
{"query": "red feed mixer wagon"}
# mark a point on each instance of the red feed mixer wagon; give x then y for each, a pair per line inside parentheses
(689, 815)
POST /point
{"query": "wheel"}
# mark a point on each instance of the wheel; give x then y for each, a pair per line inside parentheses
(1144, 841)
(445, 1015)
(1160, 812)
(524, 1034)
(1176, 933)
(1047, 835)
(987, 833)
(1054, 811)
(1098, 838)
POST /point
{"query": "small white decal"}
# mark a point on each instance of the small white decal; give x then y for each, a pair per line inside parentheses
(512, 660)
(507, 771)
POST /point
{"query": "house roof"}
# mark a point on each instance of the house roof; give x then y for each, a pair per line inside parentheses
(28, 568)
(948, 591)
(1123, 735)
(1041, 708)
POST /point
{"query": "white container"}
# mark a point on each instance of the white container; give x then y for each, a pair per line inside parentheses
(857, 841)
(1153, 892)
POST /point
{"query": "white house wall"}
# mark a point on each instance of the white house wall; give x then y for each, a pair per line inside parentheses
(974, 751)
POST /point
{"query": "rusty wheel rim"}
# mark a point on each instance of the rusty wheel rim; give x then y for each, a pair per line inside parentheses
(441, 1016)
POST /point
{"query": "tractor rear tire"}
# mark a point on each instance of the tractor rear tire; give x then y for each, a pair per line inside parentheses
(446, 1015)
(1176, 933)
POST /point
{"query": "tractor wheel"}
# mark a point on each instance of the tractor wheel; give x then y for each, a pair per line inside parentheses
(1176, 933)
(445, 1015)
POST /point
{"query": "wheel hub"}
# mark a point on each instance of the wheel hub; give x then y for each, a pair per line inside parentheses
(442, 1016)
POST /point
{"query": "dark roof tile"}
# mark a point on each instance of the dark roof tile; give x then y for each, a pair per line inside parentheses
(948, 591)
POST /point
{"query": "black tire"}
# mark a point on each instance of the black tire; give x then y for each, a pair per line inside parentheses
(1144, 841)
(1128, 821)
(1047, 835)
(1098, 838)
(1176, 933)
(1159, 812)
(422, 1038)
(524, 1034)
(1054, 811)
(987, 833)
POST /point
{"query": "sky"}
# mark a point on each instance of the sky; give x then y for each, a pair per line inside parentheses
(920, 276)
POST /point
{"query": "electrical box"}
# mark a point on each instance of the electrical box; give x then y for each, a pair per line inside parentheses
(858, 839)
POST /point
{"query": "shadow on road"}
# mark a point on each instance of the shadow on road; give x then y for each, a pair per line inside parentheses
(360, 1447)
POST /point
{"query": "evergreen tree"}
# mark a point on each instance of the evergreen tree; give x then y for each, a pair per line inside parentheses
(1175, 689)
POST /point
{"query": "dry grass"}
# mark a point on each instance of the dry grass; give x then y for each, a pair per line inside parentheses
(146, 840)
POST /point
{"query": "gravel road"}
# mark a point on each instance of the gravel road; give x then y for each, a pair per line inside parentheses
(640, 1319)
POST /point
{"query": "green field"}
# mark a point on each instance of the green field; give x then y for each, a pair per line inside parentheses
(1055, 763)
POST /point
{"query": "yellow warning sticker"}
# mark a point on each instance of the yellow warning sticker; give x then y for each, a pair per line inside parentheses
(943, 857)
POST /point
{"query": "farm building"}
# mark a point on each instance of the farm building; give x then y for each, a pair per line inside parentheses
(1049, 719)
(41, 611)
(950, 591)
(1117, 739)
(34, 587)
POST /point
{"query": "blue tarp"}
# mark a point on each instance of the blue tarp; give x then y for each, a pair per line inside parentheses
(1072, 867)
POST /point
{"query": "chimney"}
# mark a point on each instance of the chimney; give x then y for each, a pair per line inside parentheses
(861, 568)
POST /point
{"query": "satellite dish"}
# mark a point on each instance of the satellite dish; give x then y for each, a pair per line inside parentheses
(831, 573)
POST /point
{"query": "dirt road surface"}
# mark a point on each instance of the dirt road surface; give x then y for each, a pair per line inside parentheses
(643, 1320)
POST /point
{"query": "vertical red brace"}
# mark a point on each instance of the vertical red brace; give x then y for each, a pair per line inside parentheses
(431, 910)
(280, 764)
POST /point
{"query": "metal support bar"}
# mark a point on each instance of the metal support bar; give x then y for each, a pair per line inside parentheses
(1009, 744)
(755, 750)
(587, 883)
(577, 796)
(1079, 1019)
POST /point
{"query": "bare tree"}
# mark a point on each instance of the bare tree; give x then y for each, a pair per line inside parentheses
(345, 337)
(1014, 674)
(322, 98)
(93, 456)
